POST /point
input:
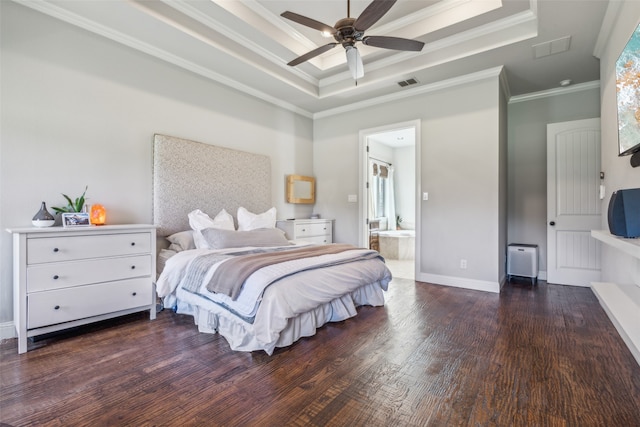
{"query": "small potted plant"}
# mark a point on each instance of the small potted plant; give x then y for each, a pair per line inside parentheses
(76, 205)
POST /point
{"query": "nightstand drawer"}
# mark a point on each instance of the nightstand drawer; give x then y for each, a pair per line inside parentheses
(53, 249)
(317, 239)
(49, 276)
(63, 305)
(312, 229)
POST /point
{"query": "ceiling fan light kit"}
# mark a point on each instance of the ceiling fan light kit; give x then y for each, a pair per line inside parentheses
(354, 61)
(348, 31)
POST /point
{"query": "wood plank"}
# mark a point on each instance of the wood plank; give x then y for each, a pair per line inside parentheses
(433, 355)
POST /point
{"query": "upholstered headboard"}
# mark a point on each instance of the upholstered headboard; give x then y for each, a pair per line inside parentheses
(190, 175)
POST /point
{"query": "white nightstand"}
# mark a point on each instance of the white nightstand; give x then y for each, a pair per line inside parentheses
(65, 277)
(310, 230)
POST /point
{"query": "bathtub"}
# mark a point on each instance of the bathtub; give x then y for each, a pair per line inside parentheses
(397, 244)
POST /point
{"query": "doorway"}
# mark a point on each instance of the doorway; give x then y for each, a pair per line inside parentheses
(389, 205)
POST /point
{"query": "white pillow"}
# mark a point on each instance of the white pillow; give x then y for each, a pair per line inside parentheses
(199, 220)
(182, 241)
(250, 221)
(261, 237)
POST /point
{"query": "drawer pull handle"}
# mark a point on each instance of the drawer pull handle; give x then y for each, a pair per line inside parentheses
(57, 307)
(56, 277)
(133, 267)
(55, 249)
(304, 229)
(133, 243)
(134, 294)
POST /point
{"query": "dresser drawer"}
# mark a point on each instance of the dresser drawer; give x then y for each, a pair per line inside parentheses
(66, 248)
(63, 305)
(57, 275)
(317, 239)
(312, 229)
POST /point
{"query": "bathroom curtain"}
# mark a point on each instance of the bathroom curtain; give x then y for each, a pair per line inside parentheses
(390, 202)
(381, 194)
(373, 189)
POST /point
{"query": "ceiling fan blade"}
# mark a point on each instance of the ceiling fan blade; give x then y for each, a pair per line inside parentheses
(354, 61)
(396, 43)
(373, 12)
(312, 23)
(315, 52)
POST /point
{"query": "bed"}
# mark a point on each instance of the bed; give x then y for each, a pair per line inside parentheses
(223, 261)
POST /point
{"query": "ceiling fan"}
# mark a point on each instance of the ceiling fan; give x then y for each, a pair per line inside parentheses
(347, 31)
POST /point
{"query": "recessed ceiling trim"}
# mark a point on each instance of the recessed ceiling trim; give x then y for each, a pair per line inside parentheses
(441, 15)
(89, 25)
(292, 39)
(444, 84)
(220, 27)
(512, 29)
(425, 21)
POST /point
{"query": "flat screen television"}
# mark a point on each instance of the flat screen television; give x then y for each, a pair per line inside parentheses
(628, 96)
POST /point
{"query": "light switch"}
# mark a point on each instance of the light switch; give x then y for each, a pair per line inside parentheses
(352, 198)
(425, 196)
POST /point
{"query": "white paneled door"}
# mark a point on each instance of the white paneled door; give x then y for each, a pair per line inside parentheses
(573, 202)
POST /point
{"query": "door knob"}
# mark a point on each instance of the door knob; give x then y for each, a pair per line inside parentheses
(552, 223)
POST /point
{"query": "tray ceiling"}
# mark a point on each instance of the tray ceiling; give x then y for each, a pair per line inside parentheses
(246, 44)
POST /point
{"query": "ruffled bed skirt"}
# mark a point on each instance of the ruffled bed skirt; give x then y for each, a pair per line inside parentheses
(243, 336)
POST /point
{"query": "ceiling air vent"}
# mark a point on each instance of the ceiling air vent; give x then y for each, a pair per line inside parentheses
(407, 82)
(552, 47)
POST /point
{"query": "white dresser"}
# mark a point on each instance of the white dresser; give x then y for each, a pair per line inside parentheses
(65, 277)
(310, 230)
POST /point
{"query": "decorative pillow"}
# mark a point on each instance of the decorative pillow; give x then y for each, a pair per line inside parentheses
(260, 237)
(181, 241)
(250, 221)
(199, 220)
(163, 257)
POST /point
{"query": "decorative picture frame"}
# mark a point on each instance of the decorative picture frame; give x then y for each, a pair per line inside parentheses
(76, 219)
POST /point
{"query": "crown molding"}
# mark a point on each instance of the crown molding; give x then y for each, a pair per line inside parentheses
(420, 90)
(504, 83)
(86, 24)
(218, 26)
(520, 26)
(555, 92)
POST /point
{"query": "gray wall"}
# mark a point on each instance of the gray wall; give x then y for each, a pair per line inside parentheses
(80, 110)
(527, 152)
(460, 168)
(616, 266)
(404, 158)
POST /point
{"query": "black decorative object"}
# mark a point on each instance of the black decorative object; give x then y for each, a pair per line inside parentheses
(623, 213)
(43, 218)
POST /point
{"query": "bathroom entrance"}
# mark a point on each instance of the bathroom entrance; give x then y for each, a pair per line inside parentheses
(388, 205)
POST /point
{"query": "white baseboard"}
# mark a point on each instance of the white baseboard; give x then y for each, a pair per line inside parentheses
(460, 282)
(542, 275)
(7, 330)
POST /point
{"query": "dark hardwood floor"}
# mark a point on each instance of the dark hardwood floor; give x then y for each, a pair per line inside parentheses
(433, 356)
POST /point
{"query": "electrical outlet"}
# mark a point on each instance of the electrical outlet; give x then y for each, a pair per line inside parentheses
(463, 264)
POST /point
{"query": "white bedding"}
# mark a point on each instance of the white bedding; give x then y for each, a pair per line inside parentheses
(277, 314)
